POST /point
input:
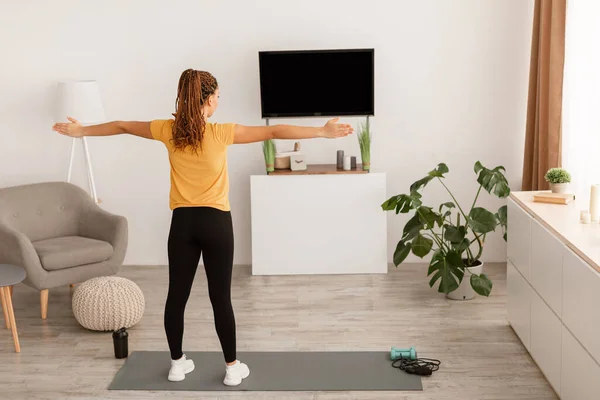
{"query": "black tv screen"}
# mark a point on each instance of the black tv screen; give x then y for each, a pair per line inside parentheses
(317, 83)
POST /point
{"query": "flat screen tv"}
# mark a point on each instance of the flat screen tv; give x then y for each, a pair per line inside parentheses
(313, 83)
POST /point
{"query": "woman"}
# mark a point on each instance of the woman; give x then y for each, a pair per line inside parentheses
(201, 218)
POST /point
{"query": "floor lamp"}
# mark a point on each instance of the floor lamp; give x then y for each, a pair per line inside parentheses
(80, 100)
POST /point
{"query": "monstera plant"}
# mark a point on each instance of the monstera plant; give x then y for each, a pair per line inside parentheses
(455, 234)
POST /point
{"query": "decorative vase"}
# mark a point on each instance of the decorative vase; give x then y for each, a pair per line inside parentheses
(559, 187)
(347, 165)
(465, 290)
(340, 159)
(282, 161)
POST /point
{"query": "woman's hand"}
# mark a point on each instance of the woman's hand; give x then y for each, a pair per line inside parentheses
(251, 134)
(334, 130)
(73, 129)
(76, 130)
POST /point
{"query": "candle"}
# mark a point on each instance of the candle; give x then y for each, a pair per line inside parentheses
(340, 159)
(353, 162)
(346, 163)
(594, 202)
(582, 214)
(586, 219)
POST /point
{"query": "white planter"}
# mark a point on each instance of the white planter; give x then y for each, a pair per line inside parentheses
(465, 290)
(559, 187)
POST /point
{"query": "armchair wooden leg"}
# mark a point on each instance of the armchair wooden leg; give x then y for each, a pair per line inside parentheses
(72, 285)
(4, 308)
(44, 303)
(11, 316)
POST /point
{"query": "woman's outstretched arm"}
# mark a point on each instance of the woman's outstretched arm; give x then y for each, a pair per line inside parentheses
(251, 134)
(75, 129)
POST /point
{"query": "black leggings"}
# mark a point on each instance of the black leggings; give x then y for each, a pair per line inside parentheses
(194, 231)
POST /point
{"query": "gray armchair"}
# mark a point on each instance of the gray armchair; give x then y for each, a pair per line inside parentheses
(59, 235)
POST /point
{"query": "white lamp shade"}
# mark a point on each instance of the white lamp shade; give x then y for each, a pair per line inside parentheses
(80, 100)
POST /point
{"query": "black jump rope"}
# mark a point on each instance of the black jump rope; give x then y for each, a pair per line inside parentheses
(419, 366)
(406, 360)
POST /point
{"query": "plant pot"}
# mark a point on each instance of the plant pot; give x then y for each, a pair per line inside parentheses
(465, 290)
(559, 187)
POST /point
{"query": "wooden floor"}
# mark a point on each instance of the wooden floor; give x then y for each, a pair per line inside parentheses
(482, 358)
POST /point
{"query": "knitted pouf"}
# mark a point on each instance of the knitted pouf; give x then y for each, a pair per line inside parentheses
(108, 303)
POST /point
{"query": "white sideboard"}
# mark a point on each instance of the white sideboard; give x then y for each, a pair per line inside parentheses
(318, 224)
(553, 285)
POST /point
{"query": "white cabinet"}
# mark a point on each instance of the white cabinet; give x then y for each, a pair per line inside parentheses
(553, 293)
(546, 266)
(545, 342)
(580, 373)
(519, 238)
(318, 224)
(518, 303)
(581, 302)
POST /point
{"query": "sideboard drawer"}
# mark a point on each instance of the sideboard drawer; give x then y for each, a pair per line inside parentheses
(581, 302)
(519, 238)
(546, 265)
(580, 373)
(546, 330)
(518, 303)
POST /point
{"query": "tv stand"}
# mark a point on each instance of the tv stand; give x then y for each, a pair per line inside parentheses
(318, 224)
(320, 169)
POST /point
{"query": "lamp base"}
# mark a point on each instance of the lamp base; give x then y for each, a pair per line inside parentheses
(88, 166)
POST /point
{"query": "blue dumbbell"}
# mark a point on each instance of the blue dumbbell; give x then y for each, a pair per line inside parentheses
(410, 354)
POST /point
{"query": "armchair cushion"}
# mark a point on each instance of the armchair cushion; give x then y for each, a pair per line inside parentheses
(71, 251)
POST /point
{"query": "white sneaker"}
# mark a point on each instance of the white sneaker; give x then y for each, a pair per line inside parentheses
(179, 368)
(235, 373)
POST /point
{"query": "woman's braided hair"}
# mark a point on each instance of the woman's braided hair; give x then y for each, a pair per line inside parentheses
(192, 92)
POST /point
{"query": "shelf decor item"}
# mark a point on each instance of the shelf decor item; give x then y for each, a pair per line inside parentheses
(364, 141)
(283, 160)
(340, 159)
(269, 153)
(553, 198)
(347, 163)
(454, 233)
(297, 162)
(559, 179)
(586, 218)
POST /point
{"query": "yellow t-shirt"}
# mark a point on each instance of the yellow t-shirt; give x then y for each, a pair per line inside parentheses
(198, 180)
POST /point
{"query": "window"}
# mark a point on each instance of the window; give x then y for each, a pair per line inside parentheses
(581, 96)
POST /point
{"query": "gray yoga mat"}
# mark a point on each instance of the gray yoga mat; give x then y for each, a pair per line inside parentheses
(269, 371)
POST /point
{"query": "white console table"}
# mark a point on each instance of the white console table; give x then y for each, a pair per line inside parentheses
(318, 223)
(553, 303)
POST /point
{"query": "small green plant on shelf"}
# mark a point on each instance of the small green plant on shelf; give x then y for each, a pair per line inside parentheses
(557, 175)
(452, 230)
(364, 142)
(269, 153)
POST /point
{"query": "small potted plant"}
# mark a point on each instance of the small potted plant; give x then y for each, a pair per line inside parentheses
(269, 151)
(455, 234)
(364, 141)
(559, 179)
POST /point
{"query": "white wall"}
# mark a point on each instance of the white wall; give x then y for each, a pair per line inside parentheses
(451, 86)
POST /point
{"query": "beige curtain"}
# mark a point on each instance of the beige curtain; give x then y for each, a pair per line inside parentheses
(544, 107)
